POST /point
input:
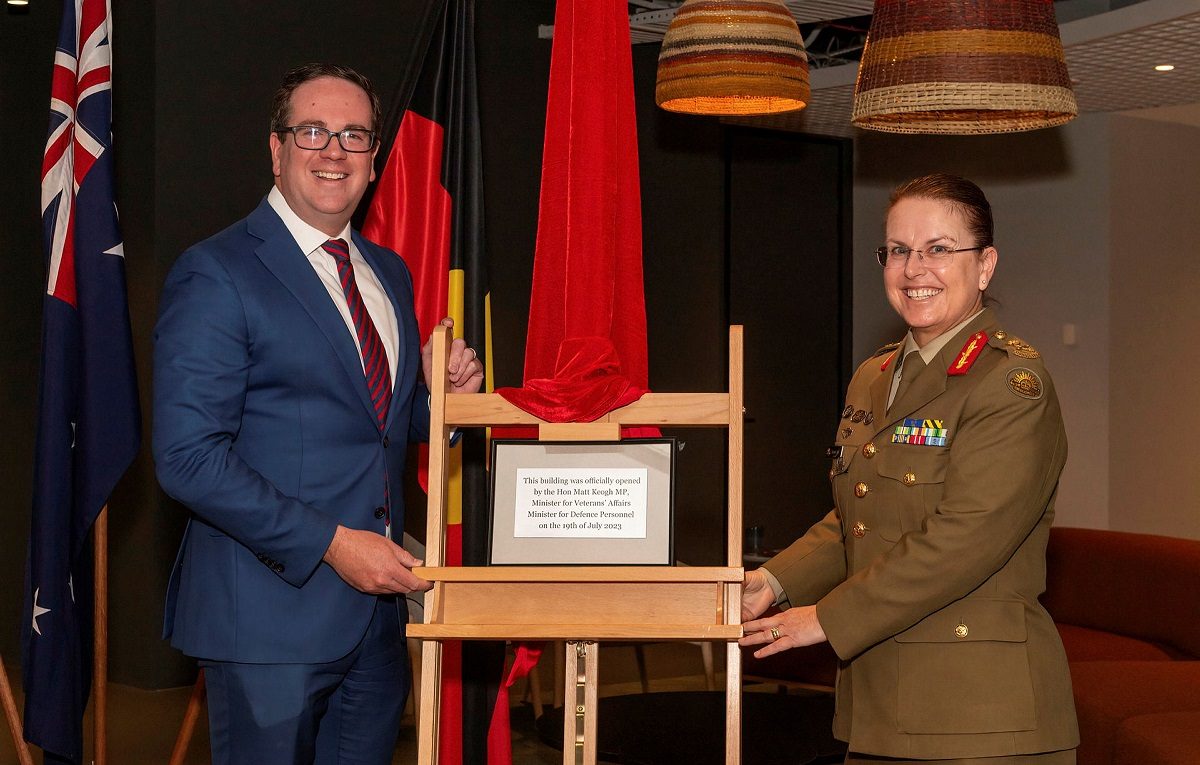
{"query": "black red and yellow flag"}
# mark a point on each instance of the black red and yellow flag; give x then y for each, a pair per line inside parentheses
(428, 207)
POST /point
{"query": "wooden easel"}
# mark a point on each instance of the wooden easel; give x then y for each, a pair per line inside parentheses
(582, 605)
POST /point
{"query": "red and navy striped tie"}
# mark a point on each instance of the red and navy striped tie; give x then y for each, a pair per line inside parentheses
(375, 363)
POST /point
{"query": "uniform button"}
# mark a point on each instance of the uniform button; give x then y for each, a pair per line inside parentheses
(1000, 334)
(909, 478)
(859, 530)
(861, 489)
(380, 512)
(961, 631)
(869, 450)
(386, 442)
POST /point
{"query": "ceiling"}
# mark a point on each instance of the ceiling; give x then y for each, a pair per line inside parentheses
(1111, 55)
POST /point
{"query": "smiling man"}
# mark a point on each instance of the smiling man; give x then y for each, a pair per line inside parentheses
(287, 382)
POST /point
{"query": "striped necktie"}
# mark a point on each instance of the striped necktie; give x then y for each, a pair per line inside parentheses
(375, 363)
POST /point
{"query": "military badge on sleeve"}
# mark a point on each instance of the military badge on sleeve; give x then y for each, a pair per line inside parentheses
(1025, 383)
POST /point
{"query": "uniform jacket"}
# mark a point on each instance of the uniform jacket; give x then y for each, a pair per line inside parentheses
(926, 574)
(264, 429)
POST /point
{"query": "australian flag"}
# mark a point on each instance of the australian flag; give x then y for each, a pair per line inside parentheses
(88, 419)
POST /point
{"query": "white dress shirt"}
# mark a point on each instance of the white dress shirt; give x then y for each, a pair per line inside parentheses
(379, 307)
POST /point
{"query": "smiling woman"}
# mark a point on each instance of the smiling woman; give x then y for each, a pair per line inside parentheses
(925, 577)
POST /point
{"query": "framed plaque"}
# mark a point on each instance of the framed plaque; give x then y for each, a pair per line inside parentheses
(583, 502)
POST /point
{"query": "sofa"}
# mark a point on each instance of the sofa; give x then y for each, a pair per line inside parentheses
(1128, 609)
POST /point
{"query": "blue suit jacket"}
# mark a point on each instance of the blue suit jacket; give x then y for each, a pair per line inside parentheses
(264, 428)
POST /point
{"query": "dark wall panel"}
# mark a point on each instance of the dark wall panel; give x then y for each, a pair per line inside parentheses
(788, 284)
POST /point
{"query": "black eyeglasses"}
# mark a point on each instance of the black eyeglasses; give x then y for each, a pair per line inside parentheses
(934, 256)
(314, 138)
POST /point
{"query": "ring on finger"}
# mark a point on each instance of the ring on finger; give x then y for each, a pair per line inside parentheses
(774, 633)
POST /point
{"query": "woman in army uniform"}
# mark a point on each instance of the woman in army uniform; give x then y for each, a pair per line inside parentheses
(925, 577)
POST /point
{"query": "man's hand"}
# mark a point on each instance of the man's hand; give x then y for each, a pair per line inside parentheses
(372, 563)
(463, 370)
(791, 629)
(757, 595)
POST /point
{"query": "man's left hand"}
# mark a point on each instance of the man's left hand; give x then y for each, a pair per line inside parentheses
(464, 370)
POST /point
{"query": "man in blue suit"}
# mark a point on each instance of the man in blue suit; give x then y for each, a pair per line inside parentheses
(286, 386)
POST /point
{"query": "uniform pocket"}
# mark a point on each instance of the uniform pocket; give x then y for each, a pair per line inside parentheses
(965, 669)
(919, 473)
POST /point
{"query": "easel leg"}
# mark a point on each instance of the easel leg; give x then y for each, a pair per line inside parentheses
(733, 702)
(188, 726)
(580, 694)
(431, 702)
(14, 719)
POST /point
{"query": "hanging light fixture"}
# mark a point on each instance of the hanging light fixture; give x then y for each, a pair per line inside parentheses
(732, 57)
(949, 66)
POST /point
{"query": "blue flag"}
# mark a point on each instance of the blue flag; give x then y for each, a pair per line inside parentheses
(89, 425)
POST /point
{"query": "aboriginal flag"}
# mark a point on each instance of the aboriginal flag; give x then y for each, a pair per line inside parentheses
(89, 424)
(428, 207)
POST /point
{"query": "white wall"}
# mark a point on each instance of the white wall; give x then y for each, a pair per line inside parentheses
(1050, 193)
(1154, 300)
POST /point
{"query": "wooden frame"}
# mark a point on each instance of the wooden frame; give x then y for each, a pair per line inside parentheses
(583, 605)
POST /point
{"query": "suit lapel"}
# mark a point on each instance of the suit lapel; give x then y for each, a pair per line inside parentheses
(282, 256)
(879, 393)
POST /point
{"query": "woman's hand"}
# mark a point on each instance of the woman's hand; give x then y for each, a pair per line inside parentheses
(789, 629)
(757, 595)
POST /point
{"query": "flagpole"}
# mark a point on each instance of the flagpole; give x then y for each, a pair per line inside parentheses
(14, 720)
(100, 660)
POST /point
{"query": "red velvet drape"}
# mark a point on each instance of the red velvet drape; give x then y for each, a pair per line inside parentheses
(585, 351)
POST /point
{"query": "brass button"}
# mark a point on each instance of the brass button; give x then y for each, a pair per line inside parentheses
(1000, 334)
(859, 530)
(861, 489)
(961, 631)
(909, 478)
(869, 450)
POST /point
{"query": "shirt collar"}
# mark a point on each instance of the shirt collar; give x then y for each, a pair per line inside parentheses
(931, 349)
(306, 236)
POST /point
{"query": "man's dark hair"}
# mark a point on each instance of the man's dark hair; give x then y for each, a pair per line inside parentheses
(281, 111)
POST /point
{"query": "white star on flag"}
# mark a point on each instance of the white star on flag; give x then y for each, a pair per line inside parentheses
(37, 610)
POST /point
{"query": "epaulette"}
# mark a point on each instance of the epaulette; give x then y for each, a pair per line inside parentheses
(1015, 346)
(966, 356)
(889, 348)
(886, 348)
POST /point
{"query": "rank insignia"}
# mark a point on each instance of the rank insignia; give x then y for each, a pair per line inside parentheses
(921, 432)
(966, 357)
(869, 419)
(849, 410)
(1025, 383)
(1022, 349)
(858, 416)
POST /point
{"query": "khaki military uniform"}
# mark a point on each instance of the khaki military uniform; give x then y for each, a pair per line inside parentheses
(926, 575)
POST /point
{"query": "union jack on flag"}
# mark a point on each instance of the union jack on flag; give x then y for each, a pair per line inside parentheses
(89, 426)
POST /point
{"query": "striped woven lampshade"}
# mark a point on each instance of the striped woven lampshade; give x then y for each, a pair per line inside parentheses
(724, 57)
(962, 67)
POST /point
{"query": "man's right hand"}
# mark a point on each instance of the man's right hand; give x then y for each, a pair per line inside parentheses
(373, 564)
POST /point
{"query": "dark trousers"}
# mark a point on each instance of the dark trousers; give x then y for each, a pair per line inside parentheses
(344, 712)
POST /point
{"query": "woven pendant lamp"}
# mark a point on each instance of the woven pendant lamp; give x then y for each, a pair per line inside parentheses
(963, 67)
(727, 57)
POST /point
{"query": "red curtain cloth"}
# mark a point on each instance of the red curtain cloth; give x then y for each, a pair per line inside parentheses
(587, 271)
(585, 350)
